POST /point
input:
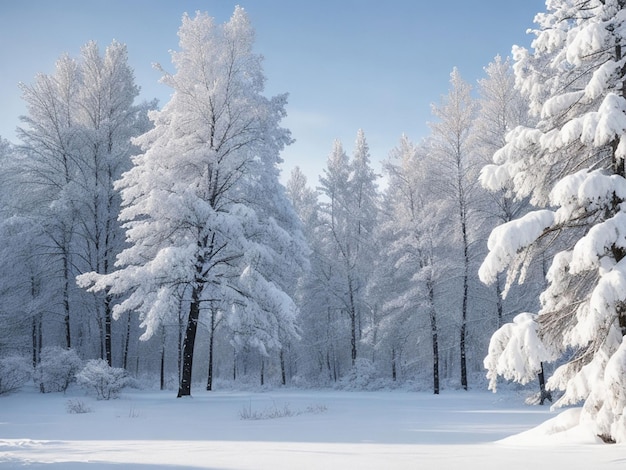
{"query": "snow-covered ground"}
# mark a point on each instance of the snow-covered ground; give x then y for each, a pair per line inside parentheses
(322, 430)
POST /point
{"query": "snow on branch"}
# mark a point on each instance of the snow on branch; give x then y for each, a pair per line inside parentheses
(516, 352)
(586, 190)
(508, 240)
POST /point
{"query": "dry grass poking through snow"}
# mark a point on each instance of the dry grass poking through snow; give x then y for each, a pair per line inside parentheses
(274, 411)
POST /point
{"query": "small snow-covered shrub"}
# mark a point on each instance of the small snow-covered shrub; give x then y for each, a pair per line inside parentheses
(15, 371)
(77, 407)
(360, 377)
(57, 369)
(103, 380)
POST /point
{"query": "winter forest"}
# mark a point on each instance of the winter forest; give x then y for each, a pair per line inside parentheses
(157, 242)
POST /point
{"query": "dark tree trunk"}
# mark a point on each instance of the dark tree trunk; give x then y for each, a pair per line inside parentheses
(107, 330)
(435, 337)
(234, 364)
(209, 383)
(353, 325)
(34, 339)
(283, 373)
(544, 394)
(499, 303)
(393, 364)
(262, 372)
(184, 389)
(126, 343)
(465, 299)
(162, 375)
(66, 298)
(181, 338)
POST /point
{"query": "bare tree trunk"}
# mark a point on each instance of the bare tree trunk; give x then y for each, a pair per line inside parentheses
(499, 303)
(107, 330)
(184, 389)
(353, 318)
(465, 294)
(66, 297)
(181, 337)
(283, 373)
(209, 383)
(34, 339)
(234, 364)
(126, 343)
(262, 372)
(435, 337)
(544, 394)
(162, 375)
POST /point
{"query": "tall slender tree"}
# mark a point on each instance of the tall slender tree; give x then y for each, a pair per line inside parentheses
(50, 141)
(349, 216)
(107, 120)
(411, 230)
(452, 148)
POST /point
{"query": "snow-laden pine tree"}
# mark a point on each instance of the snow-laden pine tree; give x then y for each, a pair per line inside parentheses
(571, 166)
(202, 206)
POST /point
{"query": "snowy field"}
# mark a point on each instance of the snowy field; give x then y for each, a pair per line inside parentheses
(297, 430)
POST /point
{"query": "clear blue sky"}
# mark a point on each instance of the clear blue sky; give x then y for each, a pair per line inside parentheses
(347, 64)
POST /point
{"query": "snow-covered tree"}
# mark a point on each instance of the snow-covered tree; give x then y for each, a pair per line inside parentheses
(320, 320)
(202, 205)
(75, 143)
(452, 147)
(517, 353)
(571, 166)
(107, 120)
(406, 277)
(349, 215)
(50, 142)
(20, 276)
(501, 108)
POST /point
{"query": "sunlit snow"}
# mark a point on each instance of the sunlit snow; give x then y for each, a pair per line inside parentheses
(326, 430)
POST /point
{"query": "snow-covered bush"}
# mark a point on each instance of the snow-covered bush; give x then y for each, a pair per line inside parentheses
(74, 407)
(360, 377)
(15, 371)
(105, 381)
(57, 369)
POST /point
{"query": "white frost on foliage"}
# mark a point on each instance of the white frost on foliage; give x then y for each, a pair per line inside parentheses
(615, 384)
(594, 249)
(585, 191)
(508, 239)
(612, 120)
(586, 42)
(601, 79)
(495, 177)
(579, 386)
(600, 312)
(516, 352)
(560, 103)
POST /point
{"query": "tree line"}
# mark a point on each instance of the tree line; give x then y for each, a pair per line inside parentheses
(150, 237)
